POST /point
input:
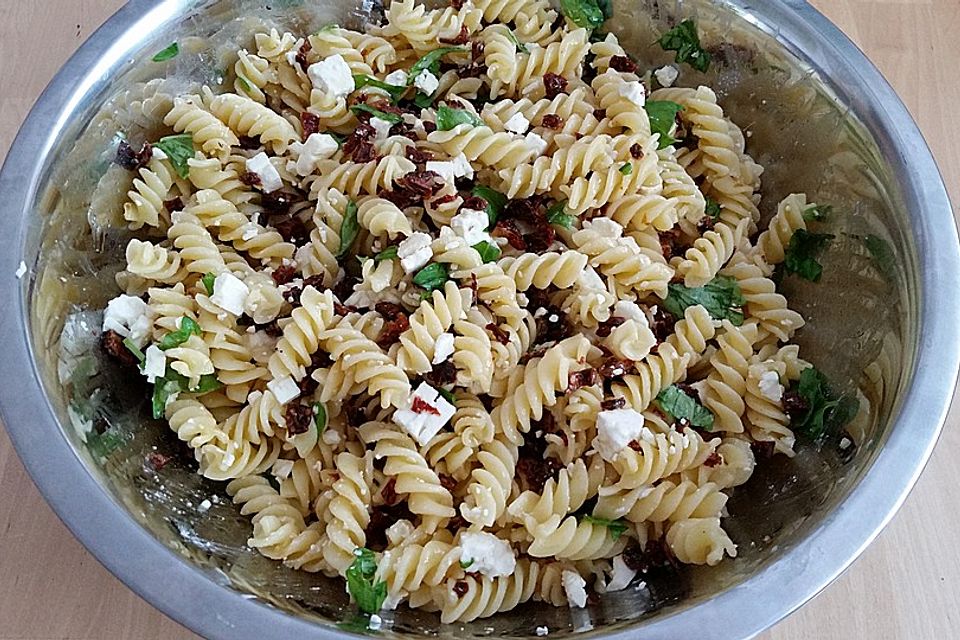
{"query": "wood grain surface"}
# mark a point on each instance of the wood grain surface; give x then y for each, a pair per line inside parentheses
(907, 583)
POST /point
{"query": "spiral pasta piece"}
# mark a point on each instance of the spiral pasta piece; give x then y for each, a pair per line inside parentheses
(382, 217)
(544, 270)
(189, 115)
(247, 117)
(700, 541)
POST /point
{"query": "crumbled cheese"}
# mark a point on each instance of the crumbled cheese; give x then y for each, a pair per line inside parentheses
(396, 78)
(487, 554)
(331, 437)
(250, 231)
(442, 348)
(130, 317)
(845, 443)
(332, 76)
(575, 587)
(615, 430)
(204, 506)
(399, 531)
(536, 144)
(426, 82)
(590, 279)
(261, 166)
(155, 365)
(382, 127)
(770, 386)
(542, 631)
(621, 576)
(471, 225)
(159, 155)
(21, 270)
(633, 91)
(375, 622)
(667, 75)
(319, 146)
(415, 251)
(423, 426)
(450, 170)
(282, 469)
(517, 123)
(230, 293)
(284, 389)
(630, 311)
(605, 227)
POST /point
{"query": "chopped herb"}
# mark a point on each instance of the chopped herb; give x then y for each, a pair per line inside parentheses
(882, 254)
(557, 214)
(495, 200)
(422, 100)
(162, 390)
(245, 84)
(615, 527)
(429, 61)
(584, 13)
(208, 280)
(103, 444)
(179, 149)
(466, 565)
(448, 396)
(432, 277)
(488, 252)
(188, 327)
(392, 118)
(678, 404)
(358, 624)
(817, 212)
(721, 297)
(390, 253)
(349, 230)
(169, 53)
(395, 92)
(713, 208)
(448, 118)
(522, 48)
(338, 137)
(360, 582)
(802, 252)
(663, 117)
(684, 39)
(320, 416)
(827, 411)
(627, 168)
(134, 349)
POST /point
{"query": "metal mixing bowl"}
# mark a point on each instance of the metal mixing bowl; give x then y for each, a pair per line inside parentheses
(821, 118)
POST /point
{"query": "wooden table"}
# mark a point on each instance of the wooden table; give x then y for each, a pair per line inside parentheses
(905, 586)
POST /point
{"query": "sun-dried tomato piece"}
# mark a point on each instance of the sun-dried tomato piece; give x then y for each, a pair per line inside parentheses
(448, 482)
(457, 4)
(173, 204)
(476, 203)
(662, 323)
(706, 224)
(298, 417)
(552, 121)
(599, 114)
(580, 379)
(534, 469)
(460, 38)
(284, 274)
(611, 404)
(343, 309)
(157, 460)
(442, 200)
(461, 588)
(554, 85)
(614, 367)
(389, 493)
(623, 63)
(302, 54)
(670, 243)
(420, 405)
(763, 450)
(417, 156)
(423, 183)
(474, 285)
(359, 145)
(111, 343)
(531, 210)
(605, 328)
(396, 323)
(795, 405)
(310, 123)
(250, 179)
(293, 230)
(636, 151)
(277, 203)
(541, 238)
(713, 460)
(508, 229)
(383, 517)
(499, 334)
(553, 326)
(442, 374)
(131, 159)
(272, 329)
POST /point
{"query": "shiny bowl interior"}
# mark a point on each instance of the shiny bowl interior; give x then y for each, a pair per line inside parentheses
(820, 120)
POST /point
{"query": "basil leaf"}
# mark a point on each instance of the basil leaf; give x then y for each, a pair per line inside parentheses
(882, 254)
(349, 230)
(713, 208)
(432, 277)
(683, 408)
(721, 297)
(169, 53)
(448, 118)
(395, 92)
(685, 40)
(392, 118)
(827, 412)
(663, 116)
(208, 382)
(802, 252)
(360, 582)
(448, 396)
(615, 527)
(522, 48)
(176, 338)
(817, 212)
(627, 168)
(135, 350)
(390, 253)
(496, 201)
(558, 215)
(428, 61)
(422, 100)
(208, 280)
(466, 565)
(179, 149)
(488, 252)
(583, 13)
(162, 390)
(320, 416)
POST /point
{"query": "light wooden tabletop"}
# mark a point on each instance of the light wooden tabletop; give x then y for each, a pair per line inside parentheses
(907, 583)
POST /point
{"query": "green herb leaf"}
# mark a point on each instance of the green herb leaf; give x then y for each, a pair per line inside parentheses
(392, 118)
(583, 13)
(882, 254)
(395, 92)
(103, 444)
(320, 416)
(557, 214)
(428, 61)
(615, 527)
(188, 327)
(685, 40)
(496, 201)
(448, 118)
(208, 280)
(663, 117)
(245, 85)
(162, 390)
(360, 582)
(208, 383)
(349, 230)
(721, 297)
(627, 168)
(448, 396)
(827, 412)
(802, 252)
(466, 565)
(135, 350)
(169, 53)
(432, 277)
(488, 252)
(682, 407)
(817, 212)
(179, 149)
(390, 253)
(522, 48)
(422, 100)
(713, 209)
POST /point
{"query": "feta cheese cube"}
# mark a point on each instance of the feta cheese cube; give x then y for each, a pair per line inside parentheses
(487, 554)
(396, 78)
(282, 469)
(155, 365)
(159, 155)
(667, 75)
(634, 92)
(204, 506)
(230, 293)
(621, 576)
(536, 144)
(375, 622)
(630, 311)
(517, 123)
(399, 531)
(615, 430)
(442, 348)
(542, 631)
(471, 225)
(382, 127)
(284, 389)
(130, 317)
(428, 413)
(605, 227)
(332, 76)
(575, 587)
(450, 170)
(319, 146)
(414, 252)
(426, 82)
(770, 386)
(261, 166)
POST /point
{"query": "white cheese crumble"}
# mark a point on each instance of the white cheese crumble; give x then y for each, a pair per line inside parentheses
(332, 76)
(261, 166)
(542, 631)
(536, 144)
(630, 311)
(130, 317)
(633, 91)
(284, 389)
(471, 225)
(426, 82)
(517, 123)
(399, 531)
(155, 365)
(770, 386)
(331, 437)
(21, 270)
(575, 587)
(382, 127)
(282, 469)
(667, 75)
(615, 430)
(605, 227)
(424, 425)
(204, 506)
(230, 293)
(415, 251)
(845, 443)
(319, 146)
(450, 170)
(442, 348)
(487, 554)
(621, 576)
(590, 279)
(375, 622)
(396, 78)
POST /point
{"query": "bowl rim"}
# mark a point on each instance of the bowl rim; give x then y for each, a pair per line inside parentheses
(188, 594)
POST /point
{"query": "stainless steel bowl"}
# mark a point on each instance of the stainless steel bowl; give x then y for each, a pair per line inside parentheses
(822, 119)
